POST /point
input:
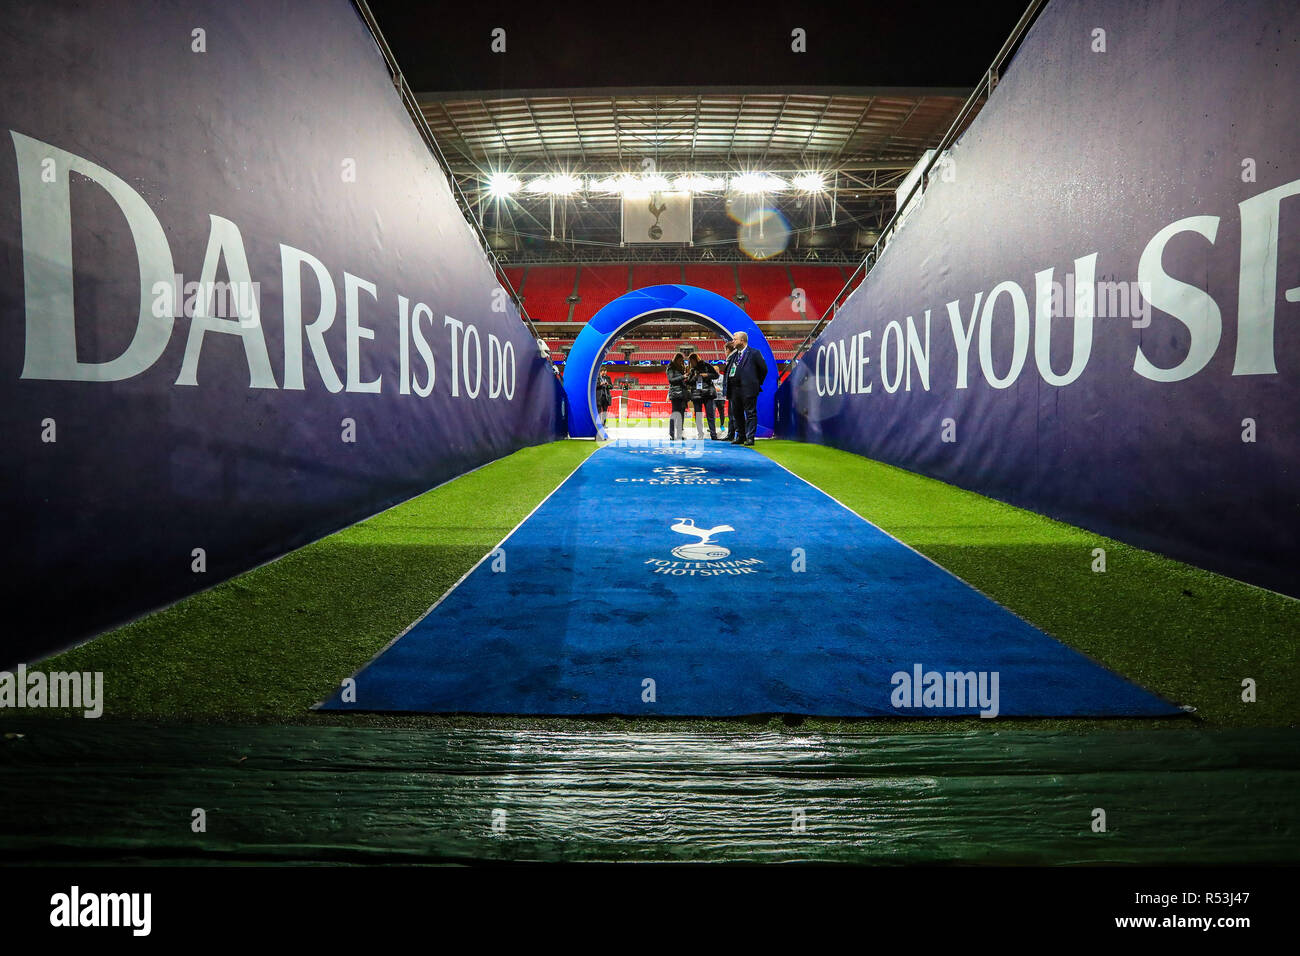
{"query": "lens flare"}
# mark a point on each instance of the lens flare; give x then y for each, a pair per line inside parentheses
(763, 234)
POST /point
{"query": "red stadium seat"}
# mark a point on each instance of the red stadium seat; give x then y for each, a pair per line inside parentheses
(516, 276)
(768, 288)
(719, 279)
(820, 284)
(648, 275)
(547, 291)
(597, 287)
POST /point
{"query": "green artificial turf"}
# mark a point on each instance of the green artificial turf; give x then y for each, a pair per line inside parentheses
(275, 640)
(267, 645)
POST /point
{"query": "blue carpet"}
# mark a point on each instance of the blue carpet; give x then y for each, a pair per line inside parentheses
(699, 578)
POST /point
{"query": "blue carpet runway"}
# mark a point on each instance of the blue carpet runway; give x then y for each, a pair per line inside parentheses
(703, 579)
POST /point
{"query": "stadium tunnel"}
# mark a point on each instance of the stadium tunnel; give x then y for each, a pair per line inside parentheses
(637, 308)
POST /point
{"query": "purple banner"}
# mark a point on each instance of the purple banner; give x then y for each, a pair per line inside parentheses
(242, 308)
(1094, 312)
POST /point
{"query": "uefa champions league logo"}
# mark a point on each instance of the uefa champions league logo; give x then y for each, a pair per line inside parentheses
(682, 475)
(705, 549)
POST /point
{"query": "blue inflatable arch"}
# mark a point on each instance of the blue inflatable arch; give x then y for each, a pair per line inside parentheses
(636, 308)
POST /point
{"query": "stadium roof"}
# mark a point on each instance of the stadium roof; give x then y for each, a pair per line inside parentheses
(862, 140)
(611, 129)
(545, 142)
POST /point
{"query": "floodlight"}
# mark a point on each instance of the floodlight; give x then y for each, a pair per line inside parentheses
(696, 183)
(503, 184)
(810, 182)
(751, 183)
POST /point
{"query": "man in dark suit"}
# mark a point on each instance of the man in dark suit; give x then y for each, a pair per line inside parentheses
(730, 410)
(745, 381)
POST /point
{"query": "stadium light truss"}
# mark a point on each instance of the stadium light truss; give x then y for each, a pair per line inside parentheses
(629, 184)
(556, 184)
(749, 184)
(698, 183)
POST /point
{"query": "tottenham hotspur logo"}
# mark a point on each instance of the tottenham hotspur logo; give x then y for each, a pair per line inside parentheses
(702, 558)
(704, 549)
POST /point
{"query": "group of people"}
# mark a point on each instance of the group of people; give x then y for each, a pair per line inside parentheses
(731, 390)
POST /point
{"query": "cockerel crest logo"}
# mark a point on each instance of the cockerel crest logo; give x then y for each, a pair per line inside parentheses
(705, 549)
(657, 209)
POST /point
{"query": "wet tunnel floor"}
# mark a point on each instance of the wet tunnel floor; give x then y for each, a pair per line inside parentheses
(77, 791)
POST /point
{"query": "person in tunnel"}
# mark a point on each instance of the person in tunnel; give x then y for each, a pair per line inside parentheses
(604, 394)
(678, 396)
(727, 406)
(699, 384)
(745, 381)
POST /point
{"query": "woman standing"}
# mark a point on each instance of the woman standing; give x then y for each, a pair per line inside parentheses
(604, 394)
(702, 391)
(678, 395)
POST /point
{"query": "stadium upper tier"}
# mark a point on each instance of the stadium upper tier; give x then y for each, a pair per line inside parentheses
(767, 292)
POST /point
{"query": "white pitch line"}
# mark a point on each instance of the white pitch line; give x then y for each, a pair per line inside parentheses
(462, 578)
